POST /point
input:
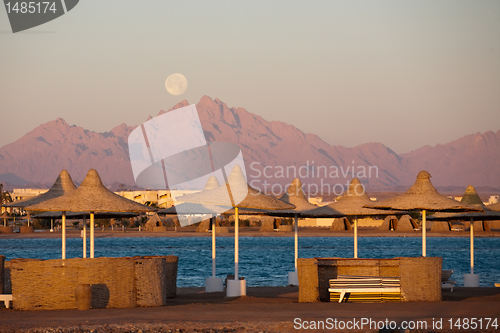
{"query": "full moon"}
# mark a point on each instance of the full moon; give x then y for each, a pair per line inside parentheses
(176, 84)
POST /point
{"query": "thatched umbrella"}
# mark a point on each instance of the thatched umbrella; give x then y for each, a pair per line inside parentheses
(238, 194)
(84, 215)
(495, 207)
(211, 211)
(4, 216)
(91, 196)
(63, 185)
(470, 197)
(423, 196)
(295, 195)
(353, 203)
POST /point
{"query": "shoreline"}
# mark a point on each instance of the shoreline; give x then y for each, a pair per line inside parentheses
(251, 232)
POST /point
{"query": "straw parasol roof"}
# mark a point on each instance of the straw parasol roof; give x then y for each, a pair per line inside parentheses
(495, 207)
(212, 183)
(63, 185)
(423, 196)
(472, 198)
(241, 195)
(351, 204)
(188, 208)
(295, 195)
(81, 215)
(195, 208)
(4, 216)
(91, 196)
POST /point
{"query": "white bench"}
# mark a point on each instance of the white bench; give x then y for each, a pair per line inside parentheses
(381, 290)
(6, 300)
(345, 284)
(446, 283)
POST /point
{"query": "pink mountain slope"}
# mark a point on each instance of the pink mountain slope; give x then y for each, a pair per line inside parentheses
(286, 151)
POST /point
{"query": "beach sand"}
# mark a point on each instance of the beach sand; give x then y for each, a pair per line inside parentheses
(264, 309)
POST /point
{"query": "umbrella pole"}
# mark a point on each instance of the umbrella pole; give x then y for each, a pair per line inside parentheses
(63, 235)
(236, 244)
(84, 237)
(355, 237)
(296, 221)
(213, 245)
(424, 233)
(91, 234)
(471, 246)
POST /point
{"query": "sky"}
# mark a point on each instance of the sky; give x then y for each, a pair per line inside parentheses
(403, 73)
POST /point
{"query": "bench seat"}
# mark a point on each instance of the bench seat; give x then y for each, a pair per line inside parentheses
(366, 289)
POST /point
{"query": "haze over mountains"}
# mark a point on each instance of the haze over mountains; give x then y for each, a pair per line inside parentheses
(37, 158)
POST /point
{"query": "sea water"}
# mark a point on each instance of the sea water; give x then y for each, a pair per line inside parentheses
(266, 261)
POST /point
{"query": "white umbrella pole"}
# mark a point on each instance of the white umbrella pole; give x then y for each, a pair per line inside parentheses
(296, 221)
(355, 236)
(63, 235)
(84, 237)
(236, 245)
(213, 245)
(424, 233)
(471, 246)
(91, 234)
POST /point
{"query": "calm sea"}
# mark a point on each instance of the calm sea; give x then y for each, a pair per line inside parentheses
(266, 261)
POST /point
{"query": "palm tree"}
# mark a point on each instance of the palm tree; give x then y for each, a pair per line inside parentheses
(4, 196)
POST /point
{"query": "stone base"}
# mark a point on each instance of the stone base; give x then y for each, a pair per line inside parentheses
(471, 280)
(26, 229)
(6, 230)
(213, 285)
(222, 230)
(285, 227)
(236, 288)
(293, 278)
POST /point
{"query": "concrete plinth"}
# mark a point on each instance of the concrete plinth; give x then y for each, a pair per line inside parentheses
(471, 280)
(236, 288)
(213, 285)
(293, 278)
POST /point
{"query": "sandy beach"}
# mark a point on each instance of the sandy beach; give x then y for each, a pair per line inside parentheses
(264, 309)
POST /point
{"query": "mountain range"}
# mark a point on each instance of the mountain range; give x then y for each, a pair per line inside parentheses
(36, 159)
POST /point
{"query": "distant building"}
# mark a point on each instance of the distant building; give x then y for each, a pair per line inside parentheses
(26, 193)
(162, 198)
(318, 201)
(493, 199)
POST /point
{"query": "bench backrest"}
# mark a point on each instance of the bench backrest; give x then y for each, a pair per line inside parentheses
(446, 274)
